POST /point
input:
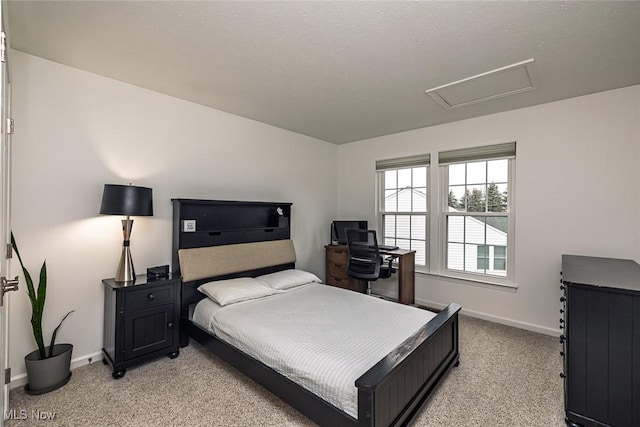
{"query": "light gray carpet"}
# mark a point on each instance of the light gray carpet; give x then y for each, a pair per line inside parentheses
(507, 377)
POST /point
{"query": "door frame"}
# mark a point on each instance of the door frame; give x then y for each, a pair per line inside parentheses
(6, 125)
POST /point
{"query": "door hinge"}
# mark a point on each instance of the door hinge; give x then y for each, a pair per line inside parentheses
(3, 47)
(6, 286)
(7, 376)
(10, 127)
(9, 251)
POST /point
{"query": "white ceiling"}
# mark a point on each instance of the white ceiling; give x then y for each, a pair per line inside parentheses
(336, 71)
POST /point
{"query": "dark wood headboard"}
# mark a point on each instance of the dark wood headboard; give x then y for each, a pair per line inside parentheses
(257, 230)
(203, 223)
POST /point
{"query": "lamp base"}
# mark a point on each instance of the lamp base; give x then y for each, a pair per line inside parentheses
(126, 273)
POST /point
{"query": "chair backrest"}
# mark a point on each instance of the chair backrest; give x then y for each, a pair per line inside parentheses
(364, 255)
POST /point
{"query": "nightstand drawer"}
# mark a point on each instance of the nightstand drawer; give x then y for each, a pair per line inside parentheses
(149, 296)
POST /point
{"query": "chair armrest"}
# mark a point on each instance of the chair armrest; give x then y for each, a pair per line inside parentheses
(389, 260)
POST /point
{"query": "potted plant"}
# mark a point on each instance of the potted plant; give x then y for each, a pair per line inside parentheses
(48, 368)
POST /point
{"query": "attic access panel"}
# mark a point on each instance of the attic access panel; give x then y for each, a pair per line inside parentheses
(510, 80)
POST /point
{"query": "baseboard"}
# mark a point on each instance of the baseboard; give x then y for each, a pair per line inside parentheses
(496, 319)
(21, 379)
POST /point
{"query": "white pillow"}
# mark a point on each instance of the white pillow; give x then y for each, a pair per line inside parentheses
(288, 278)
(228, 291)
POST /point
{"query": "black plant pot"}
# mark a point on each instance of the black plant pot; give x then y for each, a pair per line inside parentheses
(45, 375)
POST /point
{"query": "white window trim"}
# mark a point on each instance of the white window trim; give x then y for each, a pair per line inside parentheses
(438, 237)
(435, 256)
(483, 282)
(380, 212)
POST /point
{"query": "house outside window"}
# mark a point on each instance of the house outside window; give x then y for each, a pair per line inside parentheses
(402, 204)
(499, 258)
(491, 258)
(483, 257)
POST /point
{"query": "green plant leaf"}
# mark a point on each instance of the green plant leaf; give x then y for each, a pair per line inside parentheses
(37, 298)
(27, 277)
(38, 308)
(55, 332)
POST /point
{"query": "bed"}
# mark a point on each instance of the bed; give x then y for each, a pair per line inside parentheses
(384, 388)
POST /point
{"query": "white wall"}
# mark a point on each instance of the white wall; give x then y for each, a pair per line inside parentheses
(77, 131)
(577, 180)
(576, 169)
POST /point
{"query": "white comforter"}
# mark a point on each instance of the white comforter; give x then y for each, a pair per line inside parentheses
(321, 337)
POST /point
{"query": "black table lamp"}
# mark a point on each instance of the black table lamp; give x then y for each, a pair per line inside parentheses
(127, 200)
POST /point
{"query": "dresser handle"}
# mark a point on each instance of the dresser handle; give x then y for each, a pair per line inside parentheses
(170, 325)
(151, 297)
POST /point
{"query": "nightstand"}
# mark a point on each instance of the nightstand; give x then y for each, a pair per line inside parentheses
(141, 321)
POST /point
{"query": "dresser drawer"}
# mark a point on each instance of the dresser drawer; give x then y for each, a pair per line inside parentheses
(338, 281)
(338, 254)
(337, 258)
(149, 296)
(337, 268)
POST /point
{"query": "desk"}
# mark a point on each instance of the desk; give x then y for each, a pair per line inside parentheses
(337, 257)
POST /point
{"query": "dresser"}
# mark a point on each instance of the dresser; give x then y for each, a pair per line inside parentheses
(600, 318)
(141, 321)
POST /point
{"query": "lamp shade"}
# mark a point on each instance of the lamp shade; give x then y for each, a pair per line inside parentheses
(126, 200)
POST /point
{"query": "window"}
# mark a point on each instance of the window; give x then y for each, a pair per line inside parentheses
(483, 257)
(499, 258)
(477, 212)
(495, 256)
(471, 236)
(402, 205)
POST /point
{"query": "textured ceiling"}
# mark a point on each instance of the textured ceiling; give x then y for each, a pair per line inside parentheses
(336, 71)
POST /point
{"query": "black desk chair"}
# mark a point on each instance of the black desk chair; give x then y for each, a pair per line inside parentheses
(365, 261)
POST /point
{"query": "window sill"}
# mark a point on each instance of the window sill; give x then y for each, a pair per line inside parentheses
(488, 283)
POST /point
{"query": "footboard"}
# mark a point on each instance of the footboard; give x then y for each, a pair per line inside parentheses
(394, 390)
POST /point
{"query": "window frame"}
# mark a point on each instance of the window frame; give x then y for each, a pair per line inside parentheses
(440, 240)
(437, 210)
(381, 212)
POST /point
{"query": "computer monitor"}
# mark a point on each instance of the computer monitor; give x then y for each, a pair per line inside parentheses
(338, 229)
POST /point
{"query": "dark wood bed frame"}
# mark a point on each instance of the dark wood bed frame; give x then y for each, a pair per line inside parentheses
(390, 393)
